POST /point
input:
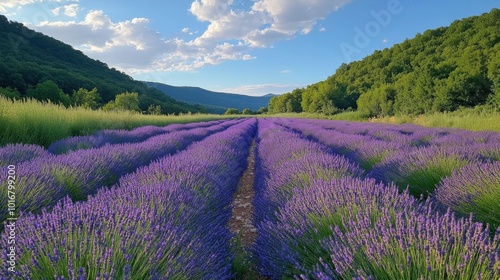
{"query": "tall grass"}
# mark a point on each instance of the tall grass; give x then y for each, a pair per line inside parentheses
(33, 122)
(476, 119)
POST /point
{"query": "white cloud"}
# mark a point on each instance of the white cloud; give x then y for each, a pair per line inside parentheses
(6, 5)
(385, 41)
(125, 45)
(209, 10)
(261, 89)
(267, 21)
(9, 4)
(297, 16)
(69, 10)
(231, 34)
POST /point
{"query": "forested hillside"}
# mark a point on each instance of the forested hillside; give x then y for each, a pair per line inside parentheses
(440, 70)
(29, 58)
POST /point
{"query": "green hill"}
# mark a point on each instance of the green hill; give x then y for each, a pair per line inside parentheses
(28, 58)
(440, 70)
(215, 102)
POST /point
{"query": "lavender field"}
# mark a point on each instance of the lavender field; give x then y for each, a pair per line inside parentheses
(332, 200)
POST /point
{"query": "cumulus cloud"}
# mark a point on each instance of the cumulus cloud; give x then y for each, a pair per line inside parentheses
(210, 10)
(267, 21)
(261, 89)
(6, 5)
(231, 34)
(126, 45)
(71, 10)
(133, 47)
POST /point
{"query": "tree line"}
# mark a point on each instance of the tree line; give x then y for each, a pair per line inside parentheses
(443, 69)
(48, 91)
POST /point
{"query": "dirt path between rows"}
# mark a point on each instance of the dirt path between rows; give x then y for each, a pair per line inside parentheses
(241, 223)
(242, 206)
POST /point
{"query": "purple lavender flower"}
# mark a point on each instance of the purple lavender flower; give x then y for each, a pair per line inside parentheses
(168, 228)
(474, 189)
(13, 154)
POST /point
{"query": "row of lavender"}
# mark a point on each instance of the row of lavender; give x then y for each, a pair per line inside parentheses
(165, 221)
(17, 153)
(119, 136)
(44, 180)
(461, 169)
(319, 216)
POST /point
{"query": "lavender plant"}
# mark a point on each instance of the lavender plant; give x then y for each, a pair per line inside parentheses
(423, 168)
(412, 246)
(104, 137)
(474, 189)
(168, 228)
(45, 180)
(13, 154)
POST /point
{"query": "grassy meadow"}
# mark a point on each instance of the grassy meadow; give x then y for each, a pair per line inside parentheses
(475, 119)
(466, 119)
(33, 122)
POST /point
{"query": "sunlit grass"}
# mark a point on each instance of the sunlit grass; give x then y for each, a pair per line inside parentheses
(33, 122)
(476, 119)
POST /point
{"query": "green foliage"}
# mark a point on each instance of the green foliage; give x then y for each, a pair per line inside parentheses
(86, 98)
(243, 264)
(48, 91)
(286, 103)
(10, 93)
(232, 111)
(124, 102)
(262, 110)
(377, 102)
(127, 101)
(247, 111)
(110, 106)
(440, 70)
(32, 122)
(154, 110)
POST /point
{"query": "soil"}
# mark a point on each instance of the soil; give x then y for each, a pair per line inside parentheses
(242, 217)
(242, 206)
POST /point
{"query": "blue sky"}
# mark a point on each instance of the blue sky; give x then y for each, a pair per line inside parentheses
(249, 47)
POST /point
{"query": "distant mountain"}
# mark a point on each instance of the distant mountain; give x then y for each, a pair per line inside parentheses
(28, 57)
(216, 102)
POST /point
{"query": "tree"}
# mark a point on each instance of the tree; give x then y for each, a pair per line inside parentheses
(87, 99)
(154, 109)
(377, 102)
(10, 93)
(49, 91)
(286, 103)
(328, 108)
(127, 101)
(247, 111)
(110, 106)
(232, 111)
(262, 110)
(124, 102)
